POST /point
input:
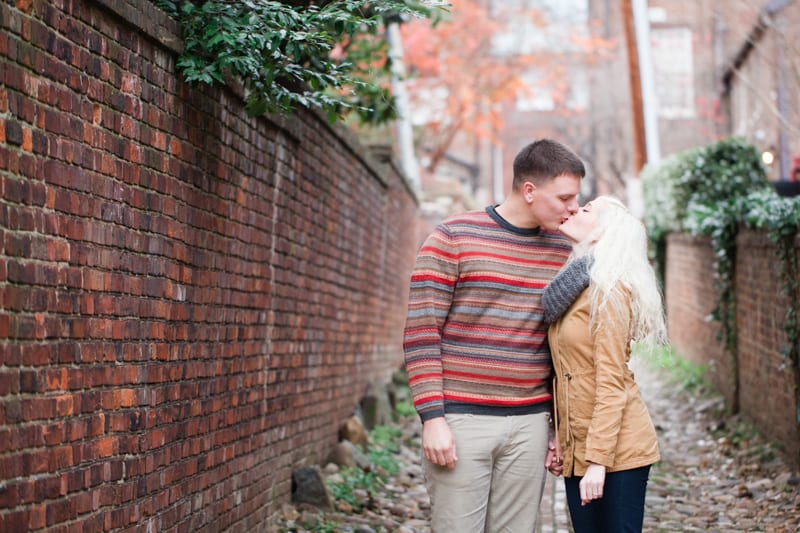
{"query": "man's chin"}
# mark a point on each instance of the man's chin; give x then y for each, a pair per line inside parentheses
(552, 227)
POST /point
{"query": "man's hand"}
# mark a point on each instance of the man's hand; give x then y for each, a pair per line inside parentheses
(554, 460)
(591, 486)
(438, 443)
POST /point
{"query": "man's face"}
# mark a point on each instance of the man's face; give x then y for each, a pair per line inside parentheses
(555, 200)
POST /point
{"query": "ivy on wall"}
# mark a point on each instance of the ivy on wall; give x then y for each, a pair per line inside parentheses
(713, 191)
(780, 218)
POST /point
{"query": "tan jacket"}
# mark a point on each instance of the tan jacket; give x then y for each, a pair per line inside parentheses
(601, 416)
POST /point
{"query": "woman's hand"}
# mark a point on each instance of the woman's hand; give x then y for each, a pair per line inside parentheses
(591, 486)
(554, 460)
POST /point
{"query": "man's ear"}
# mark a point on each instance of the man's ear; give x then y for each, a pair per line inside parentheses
(528, 191)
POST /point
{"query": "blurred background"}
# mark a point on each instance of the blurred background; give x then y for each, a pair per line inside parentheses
(623, 82)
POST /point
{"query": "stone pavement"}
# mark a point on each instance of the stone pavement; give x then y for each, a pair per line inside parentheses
(716, 475)
(554, 517)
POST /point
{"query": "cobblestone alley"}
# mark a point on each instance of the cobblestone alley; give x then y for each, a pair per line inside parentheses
(715, 475)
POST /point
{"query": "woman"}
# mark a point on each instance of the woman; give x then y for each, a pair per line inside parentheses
(605, 298)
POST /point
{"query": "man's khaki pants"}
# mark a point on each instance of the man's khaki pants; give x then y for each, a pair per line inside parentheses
(497, 483)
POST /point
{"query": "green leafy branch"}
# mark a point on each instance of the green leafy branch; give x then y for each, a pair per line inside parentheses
(285, 55)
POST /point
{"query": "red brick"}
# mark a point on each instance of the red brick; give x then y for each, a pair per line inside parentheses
(76, 429)
(82, 504)
(9, 495)
(128, 398)
(14, 521)
(59, 511)
(27, 140)
(46, 488)
(55, 379)
(64, 405)
(38, 517)
(25, 5)
(35, 462)
(97, 425)
(106, 447)
(38, 408)
(61, 458)
(54, 433)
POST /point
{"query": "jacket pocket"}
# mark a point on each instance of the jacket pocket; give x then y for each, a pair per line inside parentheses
(580, 400)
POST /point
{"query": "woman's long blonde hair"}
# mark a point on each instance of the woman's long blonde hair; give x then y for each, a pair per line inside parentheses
(621, 275)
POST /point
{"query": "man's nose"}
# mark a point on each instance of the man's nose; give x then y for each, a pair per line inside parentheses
(572, 207)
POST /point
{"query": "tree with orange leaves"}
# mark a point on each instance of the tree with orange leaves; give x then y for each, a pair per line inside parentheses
(468, 66)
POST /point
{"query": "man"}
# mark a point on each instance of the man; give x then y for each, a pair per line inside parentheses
(476, 349)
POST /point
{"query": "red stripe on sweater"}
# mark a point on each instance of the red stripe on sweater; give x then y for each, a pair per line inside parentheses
(512, 258)
(483, 378)
(505, 281)
(437, 251)
(503, 401)
(503, 257)
(431, 277)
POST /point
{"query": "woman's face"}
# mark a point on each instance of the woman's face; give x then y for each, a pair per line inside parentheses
(580, 225)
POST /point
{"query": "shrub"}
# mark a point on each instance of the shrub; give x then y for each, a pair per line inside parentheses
(725, 170)
(692, 181)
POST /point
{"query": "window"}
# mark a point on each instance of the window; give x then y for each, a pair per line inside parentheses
(539, 25)
(673, 71)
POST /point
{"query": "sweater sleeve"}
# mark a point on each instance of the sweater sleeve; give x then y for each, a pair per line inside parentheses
(611, 348)
(432, 282)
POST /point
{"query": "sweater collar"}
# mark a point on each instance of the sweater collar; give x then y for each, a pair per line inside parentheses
(492, 212)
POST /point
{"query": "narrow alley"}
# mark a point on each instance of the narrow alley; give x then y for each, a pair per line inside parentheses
(210, 214)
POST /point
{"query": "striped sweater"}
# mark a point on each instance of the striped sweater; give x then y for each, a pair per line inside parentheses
(474, 339)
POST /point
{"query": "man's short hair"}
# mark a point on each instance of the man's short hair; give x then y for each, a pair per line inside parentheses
(543, 160)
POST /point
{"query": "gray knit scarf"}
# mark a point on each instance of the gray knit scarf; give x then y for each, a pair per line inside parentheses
(565, 288)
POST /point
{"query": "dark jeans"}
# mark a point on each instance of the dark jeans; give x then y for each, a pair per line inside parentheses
(620, 510)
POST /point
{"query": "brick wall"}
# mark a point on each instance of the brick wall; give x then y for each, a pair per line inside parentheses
(691, 297)
(768, 387)
(191, 300)
(767, 384)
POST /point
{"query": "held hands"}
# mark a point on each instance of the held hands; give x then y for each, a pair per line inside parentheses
(591, 486)
(554, 460)
(438, 443)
